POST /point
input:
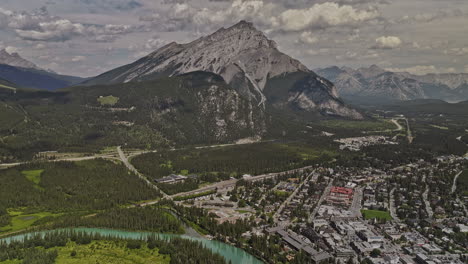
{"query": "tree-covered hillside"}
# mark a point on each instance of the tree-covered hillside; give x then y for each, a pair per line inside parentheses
(197, 108)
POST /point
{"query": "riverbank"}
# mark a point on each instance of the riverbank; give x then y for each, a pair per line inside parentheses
(230, 253)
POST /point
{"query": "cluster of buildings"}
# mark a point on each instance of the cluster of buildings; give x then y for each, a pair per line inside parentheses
(356, 143)
(289, 186)
(321, 213)
(338, 229)
(175, 178)
(340, 196)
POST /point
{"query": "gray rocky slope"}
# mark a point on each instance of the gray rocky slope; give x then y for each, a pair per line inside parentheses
(248, 61)
(14, 59)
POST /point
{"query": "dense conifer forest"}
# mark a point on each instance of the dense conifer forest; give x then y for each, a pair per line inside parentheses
(224, 162)
(139, 218)
(45, 249)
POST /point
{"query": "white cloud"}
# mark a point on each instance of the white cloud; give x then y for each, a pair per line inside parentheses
(323, 16)
(58, 30)
(265, 14)
(429, 17)
(155, 43)
(423, 69)
(78, 58)
(457, 51)
(40, 46)
(40, 26)
(349, 55)
(387, 42)
(307, 38)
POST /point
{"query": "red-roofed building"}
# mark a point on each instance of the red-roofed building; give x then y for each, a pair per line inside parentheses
(340, 196)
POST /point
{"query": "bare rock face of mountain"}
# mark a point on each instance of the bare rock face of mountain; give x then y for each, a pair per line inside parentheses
(382, 85)
(346, 80)
(451, 80)
(245, 58)
(14, 59)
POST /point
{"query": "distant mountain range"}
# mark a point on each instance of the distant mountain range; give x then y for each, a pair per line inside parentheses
(379, 85)
(26, 74)
(250, 63)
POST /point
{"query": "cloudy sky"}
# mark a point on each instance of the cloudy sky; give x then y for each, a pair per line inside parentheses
(88, 37)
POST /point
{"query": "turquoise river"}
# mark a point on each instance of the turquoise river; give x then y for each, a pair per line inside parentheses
(230, 253)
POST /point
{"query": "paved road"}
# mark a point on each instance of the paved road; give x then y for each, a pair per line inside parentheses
(454, 185)
(7, 165)
(357, 200)
(232, 182)
(288, 200)
(408, 132)
(392, 207)
(429, 211)
(320, 201)
(141, 176)
(399, 127)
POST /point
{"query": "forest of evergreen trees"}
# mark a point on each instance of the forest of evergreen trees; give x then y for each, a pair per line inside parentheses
(44, 248)
(226, 161)
(72, 186)
(139, 218)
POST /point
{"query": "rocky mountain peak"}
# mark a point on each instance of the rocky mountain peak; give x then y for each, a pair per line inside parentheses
(372, 71)
(14, 59)
(239, 49)
(246, 59)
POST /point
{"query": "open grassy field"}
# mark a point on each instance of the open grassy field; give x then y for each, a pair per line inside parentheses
(21, 220)
(33, 175)
(108, 100)
(372, 214)
(281, 193)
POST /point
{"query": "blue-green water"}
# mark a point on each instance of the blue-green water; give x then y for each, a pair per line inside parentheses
(230, 253)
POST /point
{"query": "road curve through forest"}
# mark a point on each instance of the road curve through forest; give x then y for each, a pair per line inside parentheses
(141, 176)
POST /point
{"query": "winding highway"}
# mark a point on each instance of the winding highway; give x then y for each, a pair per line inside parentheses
(454, 185)
(141, 176)
(7, 165)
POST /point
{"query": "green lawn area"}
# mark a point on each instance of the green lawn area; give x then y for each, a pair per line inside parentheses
(33, 175)
(281, 193)
(371, 214)
(11, 262)
(108, 100)
(20, 220)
